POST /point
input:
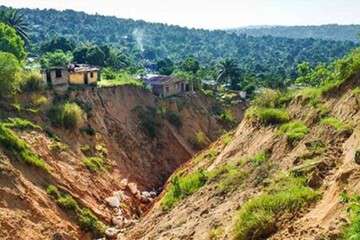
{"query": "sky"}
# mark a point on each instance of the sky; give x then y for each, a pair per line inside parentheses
(213, 14)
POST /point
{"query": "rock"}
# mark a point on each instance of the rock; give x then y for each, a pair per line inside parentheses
(146, 194)
(111, 232)
(119, 195)
(118, 221)
(153, 194)
(124, 183)
(113, 201)
(133, 188)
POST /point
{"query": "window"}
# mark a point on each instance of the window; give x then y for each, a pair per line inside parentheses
(58, 73)
(167, 89)
(91, 74)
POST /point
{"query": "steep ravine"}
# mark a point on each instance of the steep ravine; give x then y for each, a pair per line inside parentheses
(135, 162)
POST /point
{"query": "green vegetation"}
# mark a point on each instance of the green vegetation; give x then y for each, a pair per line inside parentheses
(259, 158)
(117, 78)
(294, 131)
(268, 115)
(258, 216)
(19, 148)
(21, 124)
(352, 230)
(10, 71)
(55, 59)
(68, 115)
(31, 81)
(216, 233)
(336, 124)
(228, 177)
(94, 164)
(86, 219)
(227, 117)
(181, 187)
(10, 42)
(149, 120)
(200, 140)
(174, 119)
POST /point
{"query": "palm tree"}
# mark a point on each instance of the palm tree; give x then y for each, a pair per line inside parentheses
(15, 19)
(229, 72)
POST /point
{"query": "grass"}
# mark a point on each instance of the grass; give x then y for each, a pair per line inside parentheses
(94, 164)
(86, 219)
(21, 124)
(181, 187)
(68, 115)
(227, 117)
(335, 123)
(216, 233)
(268, 115)
(352, 230)
(19, 148)
(119, 79)
(200, 140)
(311, 96)
(294, 130)
(259, 158)
(257, 217)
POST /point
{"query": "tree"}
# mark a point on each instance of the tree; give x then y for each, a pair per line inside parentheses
(58, 43)
(230, 73)
(165, 66)
(90, 54)
(10, 71)
(56, 59)
(190, 65)
(11, 42)
(15, 19)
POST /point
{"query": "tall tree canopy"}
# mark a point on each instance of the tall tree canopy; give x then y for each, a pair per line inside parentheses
(11, 42)
(16, 19)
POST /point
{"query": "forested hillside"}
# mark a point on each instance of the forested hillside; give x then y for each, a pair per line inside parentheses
(268, 57)
(329, 32)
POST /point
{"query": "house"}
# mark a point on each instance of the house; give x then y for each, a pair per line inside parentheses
(164, 86)
(74, 74)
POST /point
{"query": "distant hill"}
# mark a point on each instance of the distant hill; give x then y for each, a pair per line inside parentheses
(327, 32)
(269, 58)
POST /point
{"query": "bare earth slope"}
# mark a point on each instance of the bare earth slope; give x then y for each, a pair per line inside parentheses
(325, 156)
(28, 212)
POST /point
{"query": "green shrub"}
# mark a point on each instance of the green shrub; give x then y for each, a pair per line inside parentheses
(257, 217)
(21, 124)
(267, 98)
(181, 187)
(227, 117)
(174, 119)
(68, 115)
(94, 164)
(53, 191)
(86, 219)
(149, 120)
(311, 96)
(229, 177)
(294, 131)
(200, 140)
(10, 71)
(336, 124)
(216, 233)
(352, 230)
(259, 158)
(32, 81)
(19, 148)
(268, 115)
(89, 222)
(39, 100)
(67, 202)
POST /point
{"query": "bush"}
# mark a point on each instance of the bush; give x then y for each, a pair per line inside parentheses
(227, 117)
(19, 148)
(228, 176)
(267, 98)
(268, 115)
(257, 217)
(68, 115)
(67, 202)
(149, 121)
(181, 187)
(294, 131)
(352, 230)
(39, 100)
(174, 119)
(21, 124)
(9, 74)
(53, 191)
(11, 42)
(94, 164)
(199, 141)
(89, 222)
(336, 124)
(32, 81)
(259, 158)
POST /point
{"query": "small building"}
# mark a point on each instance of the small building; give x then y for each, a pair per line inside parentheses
(164, 86)
(74, 74)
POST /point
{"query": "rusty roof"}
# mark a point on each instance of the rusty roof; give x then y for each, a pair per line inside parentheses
(161, 80)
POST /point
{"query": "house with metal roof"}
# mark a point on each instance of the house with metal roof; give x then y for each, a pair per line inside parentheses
(164, 86)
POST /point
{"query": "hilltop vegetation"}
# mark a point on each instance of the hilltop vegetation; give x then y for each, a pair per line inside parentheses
(327, 32)
(138, 45)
